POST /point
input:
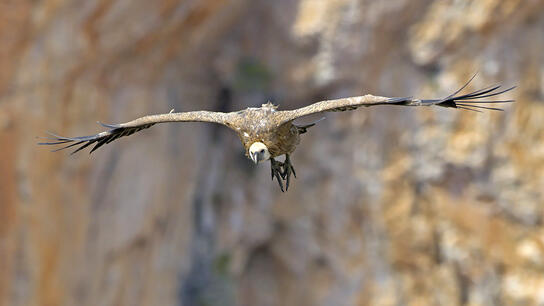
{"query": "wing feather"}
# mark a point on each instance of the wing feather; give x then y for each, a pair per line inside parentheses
(116, 131)
(467, 101)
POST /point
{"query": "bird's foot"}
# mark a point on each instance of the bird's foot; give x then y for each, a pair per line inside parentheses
(282, 171)
(287, 171)
(276, 168)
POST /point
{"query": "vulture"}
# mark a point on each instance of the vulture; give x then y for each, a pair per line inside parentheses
(267, 133)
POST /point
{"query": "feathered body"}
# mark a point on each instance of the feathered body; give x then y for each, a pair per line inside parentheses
(260, 124)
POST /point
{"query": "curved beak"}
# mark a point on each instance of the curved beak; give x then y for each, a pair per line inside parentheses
(254, 157)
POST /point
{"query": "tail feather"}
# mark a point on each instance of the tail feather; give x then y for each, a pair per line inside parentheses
(304, 128)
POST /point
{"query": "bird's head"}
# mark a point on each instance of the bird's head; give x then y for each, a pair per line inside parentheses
(258, 152)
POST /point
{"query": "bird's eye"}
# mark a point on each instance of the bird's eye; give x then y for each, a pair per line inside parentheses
(262, 151)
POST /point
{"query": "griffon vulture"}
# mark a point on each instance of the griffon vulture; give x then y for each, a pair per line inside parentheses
(267, 133)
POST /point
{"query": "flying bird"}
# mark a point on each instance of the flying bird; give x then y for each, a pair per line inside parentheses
(267, 133)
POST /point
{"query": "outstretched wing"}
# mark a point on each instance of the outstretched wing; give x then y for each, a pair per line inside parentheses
(468, 101)
(128, 128)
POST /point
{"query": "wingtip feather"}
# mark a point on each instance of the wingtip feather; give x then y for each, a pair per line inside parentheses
(468, 101)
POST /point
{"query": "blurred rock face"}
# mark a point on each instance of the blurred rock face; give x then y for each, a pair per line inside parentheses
(391, 205)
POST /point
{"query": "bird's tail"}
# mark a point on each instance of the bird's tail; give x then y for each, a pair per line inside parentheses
(304, 128)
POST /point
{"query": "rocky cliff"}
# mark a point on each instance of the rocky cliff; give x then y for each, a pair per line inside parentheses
(391, 206)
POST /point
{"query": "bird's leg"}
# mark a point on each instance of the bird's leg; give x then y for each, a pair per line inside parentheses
(276, 169)
(287, 170)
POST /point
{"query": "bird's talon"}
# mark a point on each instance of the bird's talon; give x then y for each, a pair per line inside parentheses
(287, 171)
(276, 170)
(280, 181)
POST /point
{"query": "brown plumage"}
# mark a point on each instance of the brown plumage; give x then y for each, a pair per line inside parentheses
(266, 132)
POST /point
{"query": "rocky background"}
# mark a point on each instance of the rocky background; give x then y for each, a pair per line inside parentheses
(392, 205)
